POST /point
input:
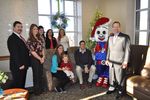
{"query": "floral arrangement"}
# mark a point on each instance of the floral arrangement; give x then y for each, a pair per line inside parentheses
(59, 20)
(3, 77)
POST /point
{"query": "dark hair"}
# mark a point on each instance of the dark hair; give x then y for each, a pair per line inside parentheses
(16, 22)
(116, 22)
(81, 42)
(31, 36)
(59, 57)
(48, 32)
(40, 27)
(59, 36)
(47, 40)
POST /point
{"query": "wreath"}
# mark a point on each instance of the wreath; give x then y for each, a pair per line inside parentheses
(59, 20)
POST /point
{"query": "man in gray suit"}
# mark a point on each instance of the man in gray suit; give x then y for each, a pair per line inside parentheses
(117, 58)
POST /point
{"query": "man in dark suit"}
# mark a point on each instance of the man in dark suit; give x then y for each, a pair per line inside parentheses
(19, 56)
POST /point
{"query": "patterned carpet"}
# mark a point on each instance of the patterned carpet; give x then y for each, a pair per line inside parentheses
(74, 93)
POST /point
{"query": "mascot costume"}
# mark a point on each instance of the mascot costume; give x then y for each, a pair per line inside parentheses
(100, 35)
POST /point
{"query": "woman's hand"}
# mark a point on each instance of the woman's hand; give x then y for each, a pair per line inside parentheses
(42, 60)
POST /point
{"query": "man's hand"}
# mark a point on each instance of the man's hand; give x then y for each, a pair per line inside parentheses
(22, 67)
(124, 65)
(86, 70)
(107, 62)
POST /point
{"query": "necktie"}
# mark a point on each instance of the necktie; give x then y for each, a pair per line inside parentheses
(114, 38)
(23, 40)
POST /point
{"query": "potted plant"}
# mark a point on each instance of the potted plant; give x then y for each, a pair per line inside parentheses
(3, 79)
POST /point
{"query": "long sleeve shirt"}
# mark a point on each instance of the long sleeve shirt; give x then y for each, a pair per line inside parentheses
(83, 58)
(54, 65)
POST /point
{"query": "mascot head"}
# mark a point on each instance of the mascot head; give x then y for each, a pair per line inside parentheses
(100, 30)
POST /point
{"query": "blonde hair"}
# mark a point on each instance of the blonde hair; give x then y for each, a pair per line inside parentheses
(65, 55)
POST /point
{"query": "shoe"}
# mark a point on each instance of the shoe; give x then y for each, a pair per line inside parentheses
(63, 90)
(99, 81)
(57, 90)
(119, 94)
(105, 83)
(110, 90)
(90, 84)
(82, 86)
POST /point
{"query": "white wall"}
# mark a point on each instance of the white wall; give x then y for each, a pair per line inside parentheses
(25, 11)
(120, 10)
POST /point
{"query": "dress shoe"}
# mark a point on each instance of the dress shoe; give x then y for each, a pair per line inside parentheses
(82, 86)
(90, 84)
(110, 92)
(57, 90)
(119, 94)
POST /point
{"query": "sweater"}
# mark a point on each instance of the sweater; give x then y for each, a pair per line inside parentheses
(82, 59)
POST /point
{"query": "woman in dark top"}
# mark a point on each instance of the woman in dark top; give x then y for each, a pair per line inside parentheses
(50, 42)
(36, 47)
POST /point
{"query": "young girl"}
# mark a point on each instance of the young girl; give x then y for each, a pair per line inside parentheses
(67, 67)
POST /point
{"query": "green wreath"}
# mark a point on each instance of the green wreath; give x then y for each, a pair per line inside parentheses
(59, 21)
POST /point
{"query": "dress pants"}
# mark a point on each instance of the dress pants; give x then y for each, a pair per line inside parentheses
(37, 69)
(91, 73)
(116, 75)
(19, 78)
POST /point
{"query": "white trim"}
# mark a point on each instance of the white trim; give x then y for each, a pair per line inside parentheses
(134, 22)
(148, 19)
(142, 9)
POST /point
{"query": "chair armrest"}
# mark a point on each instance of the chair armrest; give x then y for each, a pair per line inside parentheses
(145, 72)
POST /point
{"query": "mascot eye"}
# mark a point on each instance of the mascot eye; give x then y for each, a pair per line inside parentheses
(104, 32)
(98, 32)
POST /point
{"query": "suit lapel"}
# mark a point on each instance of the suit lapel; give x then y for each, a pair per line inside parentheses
(20, 41)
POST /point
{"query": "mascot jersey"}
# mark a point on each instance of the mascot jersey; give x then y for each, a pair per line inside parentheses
(100, 57)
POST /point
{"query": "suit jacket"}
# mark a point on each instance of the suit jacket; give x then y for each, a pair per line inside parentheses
(119, 51)
(19, 53)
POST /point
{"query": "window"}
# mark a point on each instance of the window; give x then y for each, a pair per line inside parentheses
(48, 8)
(142, 25)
